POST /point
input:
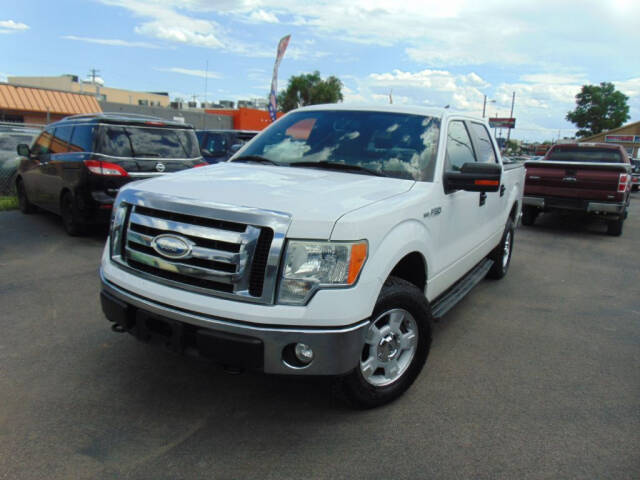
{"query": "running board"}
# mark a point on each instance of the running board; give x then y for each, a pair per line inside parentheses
(454, 294)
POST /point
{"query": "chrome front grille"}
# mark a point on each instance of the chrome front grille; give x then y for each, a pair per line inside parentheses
(233, 252)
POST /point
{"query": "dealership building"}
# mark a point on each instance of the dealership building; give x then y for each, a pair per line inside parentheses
(628, 136)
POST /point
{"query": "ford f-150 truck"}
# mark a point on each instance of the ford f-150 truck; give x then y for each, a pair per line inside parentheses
(580, 177)
(325, 246)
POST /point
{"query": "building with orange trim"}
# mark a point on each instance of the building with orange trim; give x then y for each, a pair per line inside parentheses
(40, 105)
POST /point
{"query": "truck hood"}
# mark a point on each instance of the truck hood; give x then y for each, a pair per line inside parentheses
(314, 198)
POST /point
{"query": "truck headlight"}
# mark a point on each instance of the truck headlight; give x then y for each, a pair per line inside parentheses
(310, 265)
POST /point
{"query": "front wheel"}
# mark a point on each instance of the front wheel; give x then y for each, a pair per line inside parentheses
(501, 255)
(396, 346)
(24, 204)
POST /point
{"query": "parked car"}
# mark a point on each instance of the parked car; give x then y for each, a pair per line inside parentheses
(218, 145)
(580, 177)
(77, 165)
(635, 174)
(325, 247)
(10, 138)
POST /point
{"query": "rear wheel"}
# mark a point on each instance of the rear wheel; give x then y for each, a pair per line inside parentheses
(501, 255)
(25, 205)
(529, 215)
(70, 217)
(614, 227)
(396, 347)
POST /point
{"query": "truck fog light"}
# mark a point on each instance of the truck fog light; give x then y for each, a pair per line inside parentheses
(303, 352)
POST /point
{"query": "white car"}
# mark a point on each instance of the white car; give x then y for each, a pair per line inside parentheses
(326, 246)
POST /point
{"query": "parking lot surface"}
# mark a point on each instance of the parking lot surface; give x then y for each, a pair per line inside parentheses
(534, 376)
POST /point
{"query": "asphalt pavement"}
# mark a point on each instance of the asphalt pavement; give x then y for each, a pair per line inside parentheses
(536, 376)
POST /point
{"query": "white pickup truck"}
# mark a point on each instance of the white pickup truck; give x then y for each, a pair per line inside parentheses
(326, 246)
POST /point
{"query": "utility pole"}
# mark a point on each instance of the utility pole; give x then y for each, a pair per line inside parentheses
(513, 100)
(484, 106)
(93, 73)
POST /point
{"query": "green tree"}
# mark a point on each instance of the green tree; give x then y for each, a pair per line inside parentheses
(599, 107)
(309, 89)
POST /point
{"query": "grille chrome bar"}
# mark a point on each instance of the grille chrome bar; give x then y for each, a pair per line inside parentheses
(190, 230)
(235, 251)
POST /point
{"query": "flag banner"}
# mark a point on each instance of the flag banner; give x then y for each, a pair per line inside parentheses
(273, 107)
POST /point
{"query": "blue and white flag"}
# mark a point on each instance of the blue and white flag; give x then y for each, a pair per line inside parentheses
(273, 107)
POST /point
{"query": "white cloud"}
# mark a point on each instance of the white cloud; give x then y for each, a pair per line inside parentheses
(111, 41)
(263, 16)
(191, 72)
(9, 26)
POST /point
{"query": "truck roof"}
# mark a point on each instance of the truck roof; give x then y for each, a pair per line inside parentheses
(408, 109)
(611, 146)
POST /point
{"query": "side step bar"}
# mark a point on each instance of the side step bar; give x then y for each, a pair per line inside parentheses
(458, 290)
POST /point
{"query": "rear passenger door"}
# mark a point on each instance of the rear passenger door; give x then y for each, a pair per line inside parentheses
(494, 202)
(462, 219)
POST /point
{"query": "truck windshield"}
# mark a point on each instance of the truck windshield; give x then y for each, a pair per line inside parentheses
(584, 154)
(151, 142)
(391, 144)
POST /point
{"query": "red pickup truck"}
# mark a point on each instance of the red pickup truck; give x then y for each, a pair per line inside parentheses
(583, 177)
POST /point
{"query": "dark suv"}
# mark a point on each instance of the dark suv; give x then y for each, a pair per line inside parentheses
(218, 145)
(76, 166)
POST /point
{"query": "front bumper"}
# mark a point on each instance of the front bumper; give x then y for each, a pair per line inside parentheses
(336, 350)
(556, 203)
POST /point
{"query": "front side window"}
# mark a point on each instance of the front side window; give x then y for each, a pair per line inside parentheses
(43, 142)
(215, 144)
(486, 153)
(148, 142)
(459, 147)
(391, 144)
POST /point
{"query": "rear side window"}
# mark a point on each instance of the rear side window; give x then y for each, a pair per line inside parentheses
(60, 140)
(82, 138)
(486, 153)
(149, 142)
(459, 147)
(572, 153)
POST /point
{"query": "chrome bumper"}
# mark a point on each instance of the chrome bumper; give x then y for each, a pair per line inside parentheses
(336, 350)
(533, 201)
(606, 207)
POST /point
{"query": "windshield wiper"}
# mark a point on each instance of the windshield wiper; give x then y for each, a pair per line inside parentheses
(345, 167)
(256, 159)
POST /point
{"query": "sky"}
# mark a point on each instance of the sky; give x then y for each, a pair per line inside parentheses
(432, 53)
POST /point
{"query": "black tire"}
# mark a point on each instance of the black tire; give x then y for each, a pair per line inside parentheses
(24, 204)
(501, 255)
(70, 218)
(529, 215)
(396, 294)
(614, 227)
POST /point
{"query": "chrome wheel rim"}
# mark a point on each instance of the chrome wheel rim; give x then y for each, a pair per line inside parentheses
(507, 250)
(390, 345)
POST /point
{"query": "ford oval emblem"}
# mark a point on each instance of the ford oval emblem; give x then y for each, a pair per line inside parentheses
(172, 246)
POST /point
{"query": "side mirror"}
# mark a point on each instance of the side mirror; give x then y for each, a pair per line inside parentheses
(23, 150)
(235, 147)
(474, 177)
(205, 153)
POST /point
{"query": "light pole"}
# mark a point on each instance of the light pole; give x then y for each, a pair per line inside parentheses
(484, 105)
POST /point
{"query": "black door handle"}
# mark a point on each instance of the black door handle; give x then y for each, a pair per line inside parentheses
(483, 198)
(502, 189)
